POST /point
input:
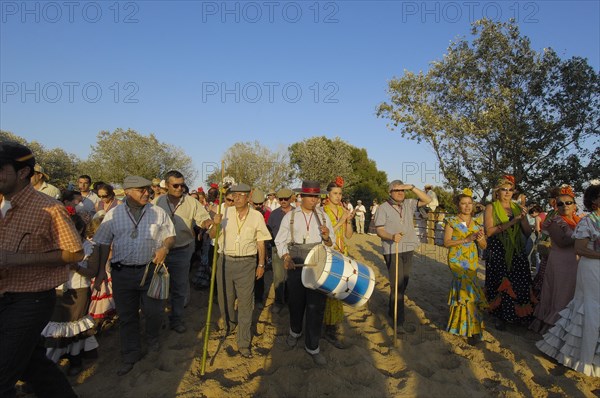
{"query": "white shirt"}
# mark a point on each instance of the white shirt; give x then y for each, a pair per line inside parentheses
(306, 229)
(117, 228)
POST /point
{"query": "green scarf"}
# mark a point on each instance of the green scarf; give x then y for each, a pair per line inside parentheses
(510, 238)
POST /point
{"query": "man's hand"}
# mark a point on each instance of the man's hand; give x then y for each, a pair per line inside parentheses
(397, 237)
(260, 271)
(160, 255)
(288, 263)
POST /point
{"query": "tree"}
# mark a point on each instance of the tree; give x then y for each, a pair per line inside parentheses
(61, 166)
(257, 166)
(122, 153)
(494, 106)
(322, 159)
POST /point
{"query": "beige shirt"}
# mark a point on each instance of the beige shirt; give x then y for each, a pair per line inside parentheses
(50, 190)
(239, 237)
(184, 215)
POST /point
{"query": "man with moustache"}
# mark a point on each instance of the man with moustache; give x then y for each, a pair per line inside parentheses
(299, 231)
(141, 234)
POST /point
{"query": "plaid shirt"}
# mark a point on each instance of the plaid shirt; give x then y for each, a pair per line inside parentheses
(117, 227)
(36, 223)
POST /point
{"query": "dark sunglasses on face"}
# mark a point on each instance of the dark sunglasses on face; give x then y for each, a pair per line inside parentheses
(567, 203)
(286, 199)
(228, 200)
(177, 186)
(103, 196)
(396, 190)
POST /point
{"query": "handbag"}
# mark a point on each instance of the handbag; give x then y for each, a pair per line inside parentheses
(159, 285)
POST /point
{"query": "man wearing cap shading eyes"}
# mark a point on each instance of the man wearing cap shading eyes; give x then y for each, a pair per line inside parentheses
(243, 237)
(37, 240)
(140, 233)
(184, 211)
(299, 231)
(284, 196)
(39, 180)
(394, 223)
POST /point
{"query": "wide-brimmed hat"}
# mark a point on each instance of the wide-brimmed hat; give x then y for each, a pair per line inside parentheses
(136, 182)
(39, 169)
(311, 188)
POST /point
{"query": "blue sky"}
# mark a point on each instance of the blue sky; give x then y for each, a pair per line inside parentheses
(204, 75)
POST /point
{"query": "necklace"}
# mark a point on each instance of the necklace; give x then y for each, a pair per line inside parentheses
(307, 225)
(134, 233)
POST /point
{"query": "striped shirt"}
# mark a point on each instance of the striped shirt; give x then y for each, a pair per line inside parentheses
(36, 223)
(118, 228)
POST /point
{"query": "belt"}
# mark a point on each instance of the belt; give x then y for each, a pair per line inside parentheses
(117, 266)
(42, 294)
(250, 256)
(180, 248)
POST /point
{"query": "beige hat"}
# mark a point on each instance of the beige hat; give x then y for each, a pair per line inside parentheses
(284, 193)
(162, 184)
(39, 169)
(136, 182)
(258, 196)
(156, 182)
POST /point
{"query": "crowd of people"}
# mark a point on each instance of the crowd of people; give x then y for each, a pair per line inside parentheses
(72, 262)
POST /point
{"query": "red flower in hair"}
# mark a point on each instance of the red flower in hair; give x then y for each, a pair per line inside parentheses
(71, 210)
(214, 185)
(567, 190)
(510, 178)
(200, 189)
(339, 181)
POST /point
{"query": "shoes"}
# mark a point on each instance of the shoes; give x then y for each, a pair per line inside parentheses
(153, 345)
(319, 359)
(333, 340)
(245, 352)
(499, 324)
(179, 328)
(276, 308)
(124, 369)
(291, 341)
(406, 328)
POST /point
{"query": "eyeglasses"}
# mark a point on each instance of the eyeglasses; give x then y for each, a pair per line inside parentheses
(177, 186)
(506, 189)
(228, 200)
(286, 199)
(567, 203)
(141, 190)
(396, 190)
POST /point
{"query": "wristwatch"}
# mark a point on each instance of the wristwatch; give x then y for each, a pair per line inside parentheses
(261, 266)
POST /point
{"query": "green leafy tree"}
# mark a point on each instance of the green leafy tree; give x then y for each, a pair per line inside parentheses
(494, 105)
(257, 166)
(61, 166)
(127, 152)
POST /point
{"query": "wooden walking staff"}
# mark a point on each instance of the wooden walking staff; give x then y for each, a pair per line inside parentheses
(396, 301)
(213, 272)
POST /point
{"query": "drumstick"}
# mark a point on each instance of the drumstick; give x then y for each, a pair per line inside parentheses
(306, 265)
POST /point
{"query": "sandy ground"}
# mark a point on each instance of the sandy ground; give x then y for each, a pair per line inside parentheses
(427, 363)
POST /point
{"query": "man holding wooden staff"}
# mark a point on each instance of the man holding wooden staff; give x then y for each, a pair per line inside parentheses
(394, 223)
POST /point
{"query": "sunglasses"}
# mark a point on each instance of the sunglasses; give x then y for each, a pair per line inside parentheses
(286, 199)
(507, 189)
(228, 200)
(177, 186)
(396, 190)
(103, 196)
(567, 203)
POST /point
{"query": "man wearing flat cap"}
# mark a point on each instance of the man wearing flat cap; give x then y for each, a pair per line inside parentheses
(141, 234)
(284, 196)
(39, 180)
(37, 240)
(301, 229)
(243, 237)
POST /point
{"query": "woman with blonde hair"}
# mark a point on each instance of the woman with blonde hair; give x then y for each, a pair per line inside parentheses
(507, 274)
(463, 235)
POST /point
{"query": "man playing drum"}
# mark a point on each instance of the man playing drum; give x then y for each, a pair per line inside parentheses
(301, 229)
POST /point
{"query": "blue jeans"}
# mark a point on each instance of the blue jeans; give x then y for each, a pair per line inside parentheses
(178, 264)
(23, 316)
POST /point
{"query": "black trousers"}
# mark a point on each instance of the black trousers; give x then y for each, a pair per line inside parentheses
(404, 267)
(305, 301)
(23, 316)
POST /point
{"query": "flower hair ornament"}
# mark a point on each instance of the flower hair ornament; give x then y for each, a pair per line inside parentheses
(71, 210)
(468, 192)
(339, 181)
(506, 179)
(214, 185)
(566, 190)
